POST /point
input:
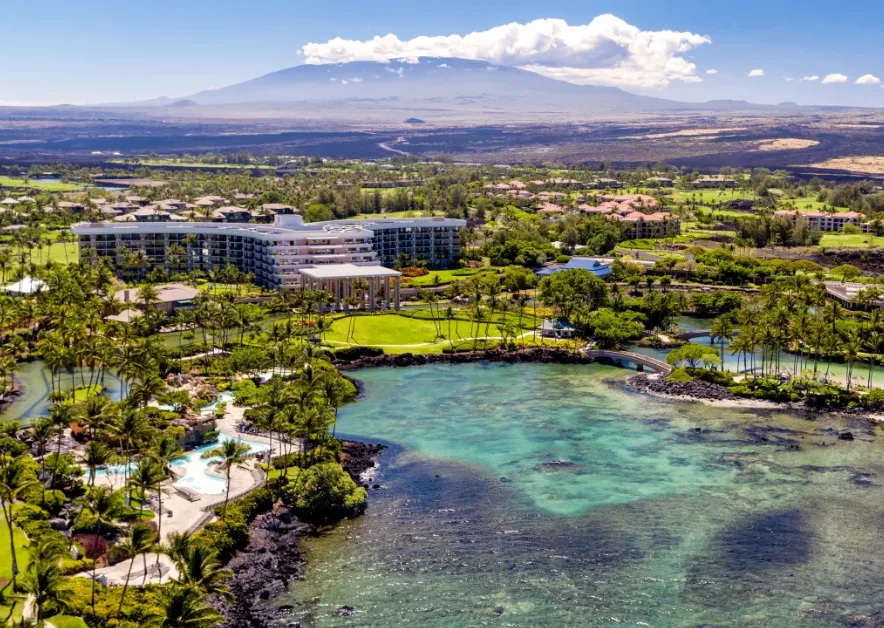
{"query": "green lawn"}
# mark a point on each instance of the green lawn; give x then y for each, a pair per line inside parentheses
(851, 241)
(21, 543)
(66, 621)
(402, 333)
(446, 276)
(711, 197)
(807, 204)
(37, 184)
(58, 252)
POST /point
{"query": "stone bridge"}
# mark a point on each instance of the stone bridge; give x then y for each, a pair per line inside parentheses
(640, 361)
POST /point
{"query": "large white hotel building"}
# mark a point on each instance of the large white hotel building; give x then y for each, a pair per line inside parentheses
(275, 254)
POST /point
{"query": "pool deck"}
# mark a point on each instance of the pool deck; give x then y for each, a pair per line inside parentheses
(188, 515)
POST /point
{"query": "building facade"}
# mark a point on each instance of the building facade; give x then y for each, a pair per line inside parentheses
(273, 254)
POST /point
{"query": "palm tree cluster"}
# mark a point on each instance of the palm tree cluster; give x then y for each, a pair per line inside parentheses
(792, 327)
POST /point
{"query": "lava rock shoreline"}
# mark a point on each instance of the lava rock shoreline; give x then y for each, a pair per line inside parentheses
(273, 557)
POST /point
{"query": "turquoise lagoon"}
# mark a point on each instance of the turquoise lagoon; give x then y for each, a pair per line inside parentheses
(549, 495)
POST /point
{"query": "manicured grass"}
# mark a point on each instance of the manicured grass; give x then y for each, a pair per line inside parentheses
(402, 334)
(447, 276)
(851, 241)
(21, 543)
(711, 197)
(66, 621)
(58, 252)
(37, 184)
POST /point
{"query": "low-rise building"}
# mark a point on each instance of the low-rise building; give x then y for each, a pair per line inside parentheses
(169, 297)
(821, 221)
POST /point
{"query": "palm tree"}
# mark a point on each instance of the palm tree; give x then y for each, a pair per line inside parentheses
(143, 478)
(184, 607)
(722, 330)
(199, 567)
(14, 478)
(95, 455)
(334, 390)
(42, 430)
(165, 451)
(43, 580)
(232, 454)
(104, 505)
(140, 540)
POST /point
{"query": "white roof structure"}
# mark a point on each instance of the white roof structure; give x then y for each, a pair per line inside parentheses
(347, 271)
(24, 287)
(126, 316)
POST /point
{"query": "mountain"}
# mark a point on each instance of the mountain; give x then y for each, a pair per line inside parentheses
(428, 80)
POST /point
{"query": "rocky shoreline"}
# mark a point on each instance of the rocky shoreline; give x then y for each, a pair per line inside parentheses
(9, 397)
(548, 355)
(274, 556)
(696, 390)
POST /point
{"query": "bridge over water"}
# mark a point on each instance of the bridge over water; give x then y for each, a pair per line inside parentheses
(620, 358)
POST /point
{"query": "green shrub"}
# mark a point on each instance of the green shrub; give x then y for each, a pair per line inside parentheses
(325, 492)
(348, 354)
(680, 375)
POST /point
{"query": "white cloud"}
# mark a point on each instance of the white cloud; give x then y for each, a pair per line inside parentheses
(835, 78)
(756, 73)
(712, 72)
(444, 65)
(788, 79)
(607, 51)
(868, 79)
(400, 72)
(812, 77)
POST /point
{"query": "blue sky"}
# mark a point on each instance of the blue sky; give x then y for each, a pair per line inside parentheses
(99, 51)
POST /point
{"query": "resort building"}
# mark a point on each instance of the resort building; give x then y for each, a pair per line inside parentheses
(821, 221)
(855, 296)
(170, 297)
(273, 254)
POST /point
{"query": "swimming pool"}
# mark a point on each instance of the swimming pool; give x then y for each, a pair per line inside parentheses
(196, 467)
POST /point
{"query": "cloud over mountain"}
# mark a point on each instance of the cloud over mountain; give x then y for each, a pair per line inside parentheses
(607, 51)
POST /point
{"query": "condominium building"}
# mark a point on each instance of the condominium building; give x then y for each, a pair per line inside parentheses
(273, 254)
(821, 221)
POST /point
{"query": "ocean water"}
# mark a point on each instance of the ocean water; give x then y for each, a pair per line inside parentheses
(548, 495)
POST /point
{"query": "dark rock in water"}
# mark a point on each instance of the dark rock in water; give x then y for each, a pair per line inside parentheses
(357, 458)
(505, 480)
(344, 611)
(557, 464)
(696, 389)
(376, 486)
(845, 436)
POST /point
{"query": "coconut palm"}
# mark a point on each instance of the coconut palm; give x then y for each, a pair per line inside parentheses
(105, 507)
(233, 455)
(139, 541)
(199, 567)
(42, 430)
(165, 451)
(183, 607)
(14, 479)
(43, 580)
